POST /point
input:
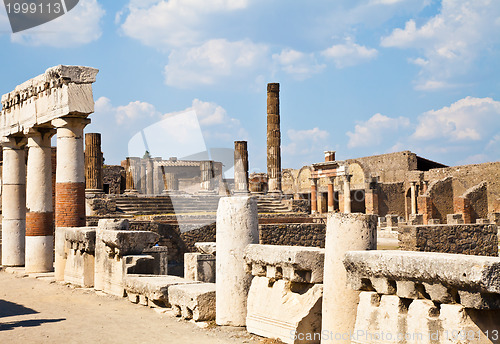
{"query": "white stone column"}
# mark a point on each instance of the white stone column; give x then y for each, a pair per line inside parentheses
(413, 198)
(13, 203)
(142, 178)
(157, 177)
(149, 177)
(237, 227)
(39, 204)
(347, 194)
(344, 232)
(70, 183)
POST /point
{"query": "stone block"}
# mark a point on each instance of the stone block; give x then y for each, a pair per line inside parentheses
(416, 219)
(79, 268)
(153, 288)
(160, 254)
(193, 301)
(434, 221)
(406, 289)
(479, 300)
(384, 286)
(438, 292)
(296, 264)
(206, 247)
(199, 267)
(454, 219)
(494, 218)
(285, 310)
(483, 221)
(392, 220)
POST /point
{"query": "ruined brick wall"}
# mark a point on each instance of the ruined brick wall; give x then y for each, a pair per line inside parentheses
(391, 199)
(468, 176)
(390, 167)
(441, 193)
(472, 239)
(114, 176)
(290, 234)
(478, 202)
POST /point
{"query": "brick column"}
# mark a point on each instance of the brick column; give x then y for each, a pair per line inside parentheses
(40, 210)
(273, 138)
(93, 163)
(70, 172)
(425, 208)
(314, 195)
(371, 202)
(347, 194)
(13, 202)
(240, 167)
(461, 205)
(331, 203)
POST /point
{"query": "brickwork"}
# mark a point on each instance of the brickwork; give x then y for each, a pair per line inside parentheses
(472, 239)
(371, 202)
(425, 207)
(392, 199)
(39, 224)
(70, 204)
(461, 205)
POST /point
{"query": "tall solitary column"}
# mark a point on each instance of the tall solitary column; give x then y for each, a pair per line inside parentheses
(413, 198)
(93, 163)
(347, 194)
(70, 172)
(331, 204)
(273, 138)
(40, 210)
(240, 167)
(13, 203)
(314, 195)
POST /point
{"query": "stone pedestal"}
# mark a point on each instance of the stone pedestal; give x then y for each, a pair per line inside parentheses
(237, 226)
(79, 267)
(273, 138)
(13, 203)
(199, 267)
(240, 167)
(40, 215)
(344, 232)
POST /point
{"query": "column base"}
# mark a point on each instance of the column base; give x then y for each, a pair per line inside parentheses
(39, 251)
(131, 192)
(331, 209)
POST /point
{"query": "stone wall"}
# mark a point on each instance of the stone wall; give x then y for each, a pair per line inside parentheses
(478, 201)
(441, 193)
(303, 234)
(472, 239)
(389, 167)
(391, 199)
(114, 176)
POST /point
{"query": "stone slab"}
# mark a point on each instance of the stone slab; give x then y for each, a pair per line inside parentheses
(193, 301)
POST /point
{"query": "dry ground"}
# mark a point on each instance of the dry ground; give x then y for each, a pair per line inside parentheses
(42, 311)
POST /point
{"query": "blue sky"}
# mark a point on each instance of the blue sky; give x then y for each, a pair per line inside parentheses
(359, 77)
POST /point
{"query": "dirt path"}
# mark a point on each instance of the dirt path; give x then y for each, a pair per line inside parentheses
(40, 311)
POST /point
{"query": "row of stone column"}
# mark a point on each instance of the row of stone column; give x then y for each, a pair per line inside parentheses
(331, 203)
(27, 206)
(237, 227)
(144, 176)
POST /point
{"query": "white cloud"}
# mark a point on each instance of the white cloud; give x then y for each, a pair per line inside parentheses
(349, 54)
(213, 61)
(4, 21)
(298, 64)
(450, 41)
(373, 132)
(174, 23)
(79, 26)
(303, 142)
(465, 120)
(127, 114)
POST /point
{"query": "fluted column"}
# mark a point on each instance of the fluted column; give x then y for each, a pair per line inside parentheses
(273, 138)
(207, 173)
(40, 210)
(130, 177)
(240, 167)
(171, 182)
(13, 202)
(93, 163)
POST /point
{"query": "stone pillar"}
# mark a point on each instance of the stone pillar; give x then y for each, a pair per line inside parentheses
(13, 203)
(93, 163)
(426, 208)
(273, 138)
(157, 177)
(347, 194)
(314, 195)
(130, 177)
(207, 174)
(331, 203)
(171, 182)
(329, 156)
(70, 184)
(40, 209)
(413, 192)
(237, 227)
(344, 232)
(142, 177)
(240, 167)
(371, 202)
(425, 186)
(149, 176)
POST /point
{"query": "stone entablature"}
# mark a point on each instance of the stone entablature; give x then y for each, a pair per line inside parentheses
(60, 91)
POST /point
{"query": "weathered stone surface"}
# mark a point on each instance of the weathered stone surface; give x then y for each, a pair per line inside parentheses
(193, 301)
(462, 272)
(473, 239)
(128, 242)
(454, 219)
(296, 264)
(113, 224)
(199, 267)
(284, 310)
(206, 247)
(160, 254)
(80, 262)
(153, 288)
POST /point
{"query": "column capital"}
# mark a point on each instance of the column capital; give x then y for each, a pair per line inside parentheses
(314, 181)
(40, 136)
(70, 122)
(14, 142)
(331, 180)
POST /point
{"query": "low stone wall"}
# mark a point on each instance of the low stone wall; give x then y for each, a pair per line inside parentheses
(471, 239)
(293, 234)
